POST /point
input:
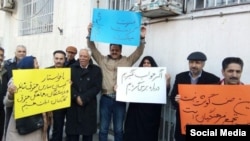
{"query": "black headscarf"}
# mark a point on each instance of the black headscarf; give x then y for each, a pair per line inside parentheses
(150, 59)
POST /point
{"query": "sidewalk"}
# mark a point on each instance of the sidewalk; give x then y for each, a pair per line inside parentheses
(95, 137)
(110, 137)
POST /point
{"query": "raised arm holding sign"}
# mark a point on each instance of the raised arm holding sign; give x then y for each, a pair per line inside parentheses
(109, 107)
(123, 27)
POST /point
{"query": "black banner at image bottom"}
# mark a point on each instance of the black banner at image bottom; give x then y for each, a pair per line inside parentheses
(216, 132)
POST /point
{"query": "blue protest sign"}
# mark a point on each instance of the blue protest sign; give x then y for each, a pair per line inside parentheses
(117, 27)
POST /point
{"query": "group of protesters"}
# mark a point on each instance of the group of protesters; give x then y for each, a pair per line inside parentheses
(140, 122)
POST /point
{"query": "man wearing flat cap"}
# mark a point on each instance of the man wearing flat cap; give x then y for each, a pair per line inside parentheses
(70, 56)
(195, 75)
(199, 56)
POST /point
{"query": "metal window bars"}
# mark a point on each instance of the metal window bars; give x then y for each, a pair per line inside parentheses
(200, 4)
(36, 17)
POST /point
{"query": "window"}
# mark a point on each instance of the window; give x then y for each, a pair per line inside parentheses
(120, 4)
(200, 4)
(37, 17)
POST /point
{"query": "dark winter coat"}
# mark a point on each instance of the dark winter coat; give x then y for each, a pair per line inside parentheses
(3, 90)
(86, 83)
(10, 65)
(184, 78)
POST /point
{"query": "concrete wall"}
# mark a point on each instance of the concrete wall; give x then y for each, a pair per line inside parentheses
(168, 42)
(217, 36)
(216, 32)
(71, 16)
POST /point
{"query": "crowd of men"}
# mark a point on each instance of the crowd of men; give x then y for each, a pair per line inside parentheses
(88, 80)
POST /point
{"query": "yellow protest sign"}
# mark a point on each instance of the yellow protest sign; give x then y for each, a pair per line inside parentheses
(41, 90)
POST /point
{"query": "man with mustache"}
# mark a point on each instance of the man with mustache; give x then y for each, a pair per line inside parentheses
(232, 68)
(59, 115)
(195, 75)
(110, 109)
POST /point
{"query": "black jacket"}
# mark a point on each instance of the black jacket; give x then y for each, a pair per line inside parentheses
(86, 83)
(184, 78)
(3, 85)
(69, 63)
(10, 65)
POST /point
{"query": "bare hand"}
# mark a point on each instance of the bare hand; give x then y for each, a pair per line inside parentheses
(143, 32)
(177, 98)
(89, 28)
(11, 89)
(79, 101)
(115, 88)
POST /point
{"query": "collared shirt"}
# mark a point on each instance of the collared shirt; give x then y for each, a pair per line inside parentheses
(84, 67)
(194, 80)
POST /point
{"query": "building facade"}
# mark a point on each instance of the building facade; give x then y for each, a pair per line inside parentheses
(219, 28)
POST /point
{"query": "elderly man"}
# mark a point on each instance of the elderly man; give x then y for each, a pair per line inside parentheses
(86, 81)
(195, 75)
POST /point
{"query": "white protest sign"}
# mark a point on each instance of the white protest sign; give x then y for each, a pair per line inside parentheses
(141, 84)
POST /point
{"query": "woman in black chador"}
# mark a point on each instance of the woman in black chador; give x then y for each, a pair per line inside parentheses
(143, 119)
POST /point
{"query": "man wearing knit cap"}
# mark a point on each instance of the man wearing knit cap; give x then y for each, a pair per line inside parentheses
(70, 55)
(195, 75)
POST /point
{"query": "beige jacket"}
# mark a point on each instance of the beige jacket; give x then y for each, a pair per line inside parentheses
(109, 66)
